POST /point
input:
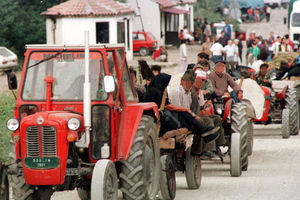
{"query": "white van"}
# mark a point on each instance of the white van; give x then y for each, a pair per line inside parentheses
(295, 24)
(8, 59)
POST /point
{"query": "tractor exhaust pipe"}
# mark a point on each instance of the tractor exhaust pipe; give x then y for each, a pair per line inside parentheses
(85, 138)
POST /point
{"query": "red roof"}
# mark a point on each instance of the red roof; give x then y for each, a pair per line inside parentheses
(175, 11)
(172, 3)
(87, 8)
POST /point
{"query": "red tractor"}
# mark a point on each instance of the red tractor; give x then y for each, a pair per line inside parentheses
(282, 106)
(77, 124)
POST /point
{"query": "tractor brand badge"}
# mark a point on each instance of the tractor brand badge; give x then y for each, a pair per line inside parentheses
(40, 120)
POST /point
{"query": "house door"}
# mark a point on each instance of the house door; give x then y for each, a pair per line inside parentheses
(171, 27)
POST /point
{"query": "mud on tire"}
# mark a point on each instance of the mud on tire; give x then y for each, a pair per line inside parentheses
(137, 180)
(239, 125)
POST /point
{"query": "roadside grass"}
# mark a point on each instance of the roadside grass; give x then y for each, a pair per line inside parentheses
(7, 103)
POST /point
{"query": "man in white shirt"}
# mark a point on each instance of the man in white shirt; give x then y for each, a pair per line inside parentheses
(229, 51)
(183, 55)
(216, 50)
(275, 46)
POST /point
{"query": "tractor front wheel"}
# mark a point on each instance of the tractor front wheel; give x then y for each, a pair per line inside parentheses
(104, 181)
(235, 155)
(193, 173)
(167, 178)
(285, 123)
(4, 185)
(139, 177)
(292, 104)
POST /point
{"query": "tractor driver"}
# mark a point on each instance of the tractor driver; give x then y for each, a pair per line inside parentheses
(263, 77)
(221, 80)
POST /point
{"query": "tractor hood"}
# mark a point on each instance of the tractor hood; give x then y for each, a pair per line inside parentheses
(44, 146)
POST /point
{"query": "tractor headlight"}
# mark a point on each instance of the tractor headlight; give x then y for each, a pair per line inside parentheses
(12, 124)
(73, 124)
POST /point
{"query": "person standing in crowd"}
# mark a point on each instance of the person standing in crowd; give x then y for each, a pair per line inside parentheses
(289, 42)
(213, 30)
(207, 30)
(223, 40)
(284, 46)
(240, 47)
(255, 51)
(251, 39)
(156, 69)
(271, 39)
(180, 37)
(206, 47)
(236, 56)
(198, 22)
(268, 13)
(187, 35)
(216, 50)
(227, 29)
(250, 14)
(263, 46)
(183, 55)
(275, 47)
(228, 50)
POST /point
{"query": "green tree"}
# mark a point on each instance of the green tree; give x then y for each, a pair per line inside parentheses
(208, 9)
(21, 23)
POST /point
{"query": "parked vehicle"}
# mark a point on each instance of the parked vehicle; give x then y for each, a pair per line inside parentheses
(295, 24)
(8, 59)
(144, 43)
(67, 137)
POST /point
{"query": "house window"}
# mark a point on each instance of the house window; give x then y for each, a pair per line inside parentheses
(121, 32)
(102, 32)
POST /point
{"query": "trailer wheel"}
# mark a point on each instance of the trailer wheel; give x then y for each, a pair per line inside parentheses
(167, 178)
(193, 173)
(104, 183)
(250, 138)
(239, 125)
(139, 177)
(292, 104)
(235, 155)
(21, 190)
(4, 186)
(285, 123)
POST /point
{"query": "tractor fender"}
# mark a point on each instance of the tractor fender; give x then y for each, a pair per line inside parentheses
(227, 108)
(130, 119)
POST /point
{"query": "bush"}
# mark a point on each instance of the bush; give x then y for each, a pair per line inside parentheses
(7, 103)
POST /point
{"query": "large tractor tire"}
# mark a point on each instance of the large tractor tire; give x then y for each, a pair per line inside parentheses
(285, 123)
(139, 177)
(4, 184)
(193, 173)
(250, 138)
(167, 178)
(235, 155)
(292, 104)
(21, 191)
(239, 124)
(104, 184)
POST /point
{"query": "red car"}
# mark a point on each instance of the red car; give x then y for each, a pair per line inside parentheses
(144, 42)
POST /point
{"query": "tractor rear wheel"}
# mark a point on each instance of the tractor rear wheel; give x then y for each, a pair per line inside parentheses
(235, 155)
(4, 189)
(292, 104)
(21, 190)
(139, 177)
(193, 173)
(285, 123)
(250, 138)
(239, 124)
(167, 178)
(104, 181)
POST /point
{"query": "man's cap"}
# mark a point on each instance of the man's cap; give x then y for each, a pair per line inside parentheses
(188, 76)
(221, 61)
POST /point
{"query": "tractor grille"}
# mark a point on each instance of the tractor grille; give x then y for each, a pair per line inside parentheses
(48, 141)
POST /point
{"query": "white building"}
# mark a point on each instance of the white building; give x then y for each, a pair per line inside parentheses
(163, 18)
(106, 21)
